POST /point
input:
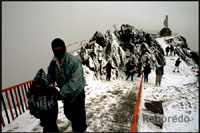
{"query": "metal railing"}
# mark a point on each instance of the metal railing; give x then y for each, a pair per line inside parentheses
(135, 115)
(18, 100)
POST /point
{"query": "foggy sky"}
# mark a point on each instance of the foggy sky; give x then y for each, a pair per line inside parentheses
(29, 27)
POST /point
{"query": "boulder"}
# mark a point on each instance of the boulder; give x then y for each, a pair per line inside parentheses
(165, 32)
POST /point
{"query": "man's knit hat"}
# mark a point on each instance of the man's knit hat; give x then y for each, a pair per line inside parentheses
(59, 54)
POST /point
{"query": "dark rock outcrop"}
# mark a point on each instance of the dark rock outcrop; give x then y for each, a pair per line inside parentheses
(165, 32)
(118, 47)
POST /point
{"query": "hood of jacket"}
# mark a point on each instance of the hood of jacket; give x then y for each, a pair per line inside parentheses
(41, 77)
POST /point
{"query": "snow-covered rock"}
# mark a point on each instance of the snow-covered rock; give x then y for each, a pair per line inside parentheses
(119, 47)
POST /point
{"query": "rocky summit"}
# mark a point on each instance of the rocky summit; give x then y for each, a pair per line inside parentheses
(127, 43)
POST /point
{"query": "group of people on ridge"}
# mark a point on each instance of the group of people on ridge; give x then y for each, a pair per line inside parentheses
(170, 49)
(132, 68)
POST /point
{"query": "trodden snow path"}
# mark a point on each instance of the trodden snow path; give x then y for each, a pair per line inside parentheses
(109, 107)
(180, 96)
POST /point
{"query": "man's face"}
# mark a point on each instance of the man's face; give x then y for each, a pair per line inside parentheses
(59, 52)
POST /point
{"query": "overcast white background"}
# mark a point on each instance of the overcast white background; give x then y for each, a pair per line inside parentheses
(29, 27)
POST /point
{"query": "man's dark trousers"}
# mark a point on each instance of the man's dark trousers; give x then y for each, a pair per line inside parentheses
(75, 112)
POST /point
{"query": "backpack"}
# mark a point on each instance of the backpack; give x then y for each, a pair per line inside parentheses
(159, 71)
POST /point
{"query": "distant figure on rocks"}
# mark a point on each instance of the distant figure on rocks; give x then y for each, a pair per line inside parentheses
(139, 66)
(108, 68)
(175, 52)
(167, 50)
(166, 22)
(197, 73)
(123, 47)
(171, 50)
(147, 70)
(159, 74)
(130, 69)
(177, 63)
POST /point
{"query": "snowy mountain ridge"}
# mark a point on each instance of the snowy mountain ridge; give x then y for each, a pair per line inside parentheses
(130, 43)
(119, 47)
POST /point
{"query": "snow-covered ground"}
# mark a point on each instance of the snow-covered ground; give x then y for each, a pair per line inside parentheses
(109, 107)
(110, 104)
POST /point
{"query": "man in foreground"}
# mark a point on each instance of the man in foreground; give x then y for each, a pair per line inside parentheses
(66, 70)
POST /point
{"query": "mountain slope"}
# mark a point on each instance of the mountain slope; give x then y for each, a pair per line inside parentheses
(179, 95)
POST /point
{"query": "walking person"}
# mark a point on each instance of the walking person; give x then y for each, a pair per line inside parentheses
(108, 68)
(167, 50)
(147, 70)
(130, 69)
(171, 50)
(175, 52)
(42, 102)
(159, 74)
(177, 63)
(66, 70)
(139, 68)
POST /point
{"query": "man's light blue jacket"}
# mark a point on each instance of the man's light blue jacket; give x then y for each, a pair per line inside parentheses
(69, 75)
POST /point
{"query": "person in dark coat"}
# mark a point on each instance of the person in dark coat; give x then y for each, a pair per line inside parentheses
(108, 68)
(171, 50)
(147, 70)
(167, 50)
(42, 102)
(159, 74)
(139, 66)
(177, 63)
(130, 69)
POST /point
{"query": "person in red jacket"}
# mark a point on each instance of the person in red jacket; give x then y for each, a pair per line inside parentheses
(197, 72)
(130, 69)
